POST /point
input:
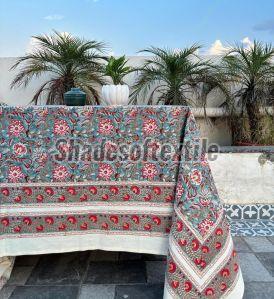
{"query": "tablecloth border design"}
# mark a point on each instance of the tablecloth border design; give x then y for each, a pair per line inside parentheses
(205, 266)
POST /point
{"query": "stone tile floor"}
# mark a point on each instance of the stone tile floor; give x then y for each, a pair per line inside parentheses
(121, 275)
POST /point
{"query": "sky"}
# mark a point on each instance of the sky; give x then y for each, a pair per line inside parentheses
(128, 26)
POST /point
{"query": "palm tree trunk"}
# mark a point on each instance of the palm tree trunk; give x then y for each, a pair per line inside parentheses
(253, 120)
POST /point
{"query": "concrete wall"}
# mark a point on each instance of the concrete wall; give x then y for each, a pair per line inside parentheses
(244, 178)
(22, 96)
(216, 130)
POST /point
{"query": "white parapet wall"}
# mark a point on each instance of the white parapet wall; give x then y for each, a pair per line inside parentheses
(244, 178)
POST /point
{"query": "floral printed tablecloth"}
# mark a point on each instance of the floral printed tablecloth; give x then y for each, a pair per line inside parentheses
(130, 178)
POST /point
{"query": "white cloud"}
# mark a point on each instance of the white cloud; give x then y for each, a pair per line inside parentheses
(247, 42)
(54, 17)
(217, 48)
(32, 45)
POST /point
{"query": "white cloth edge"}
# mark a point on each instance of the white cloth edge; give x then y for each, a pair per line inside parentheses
(68, 243)
(236, 293)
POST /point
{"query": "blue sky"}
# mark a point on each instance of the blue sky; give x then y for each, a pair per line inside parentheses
(130, 25)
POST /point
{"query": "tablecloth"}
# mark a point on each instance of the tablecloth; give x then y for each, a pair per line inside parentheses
(129, 178)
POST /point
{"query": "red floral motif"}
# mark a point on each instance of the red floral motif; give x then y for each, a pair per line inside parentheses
(179, 226)
(5, 191)
(223, 287)
(88, 111)
(149, 171)
(5, 221)
(105, 226)
(39, 198)
(126, 197)
(84, 226)
(72, 219)
(187, 286)
(60, 173)
(147, 197)
(169, 198)
(105, 197)
(62, 198)
(105, 171)
(93, 218)
(49, 220)
(60, 127)
(205, 249)
(114, 219)
(49, 191)
(150, 126)
(114, 190)
(171, 267)
(136, 219)
(19, 149)
(225, 272)
(205, 201)
(236, 267)
(147, 226)
(218, 245)
(15, 174)
(62, 227)
(39, 228)
(195, 244)
(196, 177)
(176, 111)
(156, 220)
(27, 191)
(64, 147)
(93, 190)
(105, 127)
(72, 190)
(175, 284)
(218, 232)
(205, 226)
(18, 198)
(17, 229)
(16, 128)
(126, 226)
(182, 242)
(157, 190)
(209, 292)
(135, 190)
(27, 221)
(83, 197)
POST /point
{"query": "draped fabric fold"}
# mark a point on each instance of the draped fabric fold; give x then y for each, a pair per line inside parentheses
(132, 178)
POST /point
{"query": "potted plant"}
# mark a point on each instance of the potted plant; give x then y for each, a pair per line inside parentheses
(69, 61)
(251, 71)
(118, 92)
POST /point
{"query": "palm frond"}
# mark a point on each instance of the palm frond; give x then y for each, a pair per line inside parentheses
(67, 59)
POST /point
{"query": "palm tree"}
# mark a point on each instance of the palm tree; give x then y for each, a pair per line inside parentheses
(116, 69)
(252, 71)
(69, 61)
(173, 76)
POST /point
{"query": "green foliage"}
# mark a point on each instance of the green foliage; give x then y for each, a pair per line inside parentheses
(252, 73)
(70, 61)
(116, 69)
(173, 76)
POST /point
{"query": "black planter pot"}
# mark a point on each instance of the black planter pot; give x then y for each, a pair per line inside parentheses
(75, 97)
